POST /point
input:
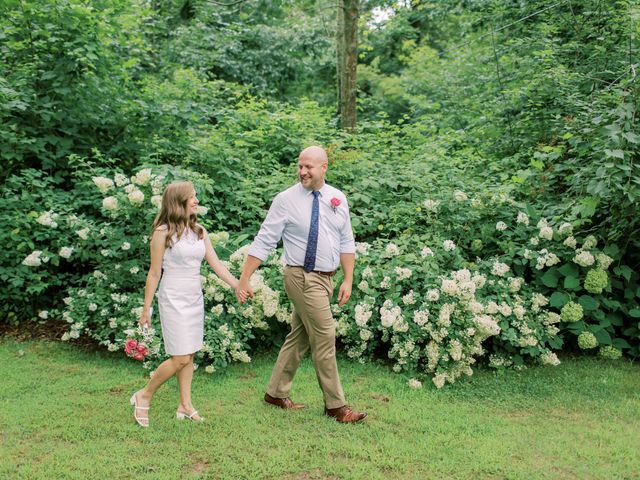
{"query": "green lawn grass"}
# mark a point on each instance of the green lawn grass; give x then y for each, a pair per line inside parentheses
(64, 413)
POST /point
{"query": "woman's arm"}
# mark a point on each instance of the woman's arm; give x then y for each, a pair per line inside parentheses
(217, 265)
(155, 271)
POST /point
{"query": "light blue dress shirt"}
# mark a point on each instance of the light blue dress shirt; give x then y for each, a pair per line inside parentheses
(289, 218)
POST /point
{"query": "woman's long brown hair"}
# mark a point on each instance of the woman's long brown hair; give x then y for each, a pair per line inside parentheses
(174, 212)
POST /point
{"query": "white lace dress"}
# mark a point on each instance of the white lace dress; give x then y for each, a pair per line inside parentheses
(180, 298)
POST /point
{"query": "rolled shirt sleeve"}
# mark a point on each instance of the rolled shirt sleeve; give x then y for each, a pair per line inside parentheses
(347, 242)
(270, 231)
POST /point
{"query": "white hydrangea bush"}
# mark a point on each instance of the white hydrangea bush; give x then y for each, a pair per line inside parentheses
(435, 313)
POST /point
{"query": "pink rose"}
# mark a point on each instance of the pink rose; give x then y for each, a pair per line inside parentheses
(142, 348)
(130, 347)
(335, 202)
(138, 356)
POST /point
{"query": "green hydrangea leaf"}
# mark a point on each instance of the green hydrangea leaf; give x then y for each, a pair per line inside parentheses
(620, 343)
(571, 283)
(558, 299)
(588, 303)
(569, 270)
(603, 337)
(635, 312)
(550, 279)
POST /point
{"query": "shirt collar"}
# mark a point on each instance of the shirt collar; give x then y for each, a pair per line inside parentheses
(323, 191)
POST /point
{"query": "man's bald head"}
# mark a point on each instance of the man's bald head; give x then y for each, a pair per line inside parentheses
(312, 165)
(314, 153)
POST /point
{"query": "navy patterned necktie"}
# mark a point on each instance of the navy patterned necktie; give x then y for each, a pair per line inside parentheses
(312, 241)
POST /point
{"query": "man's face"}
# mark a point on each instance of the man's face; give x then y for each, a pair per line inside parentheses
(311, 173)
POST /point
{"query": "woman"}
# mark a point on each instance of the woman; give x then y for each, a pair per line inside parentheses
(178, 245)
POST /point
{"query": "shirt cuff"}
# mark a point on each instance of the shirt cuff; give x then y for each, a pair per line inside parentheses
(258, 251)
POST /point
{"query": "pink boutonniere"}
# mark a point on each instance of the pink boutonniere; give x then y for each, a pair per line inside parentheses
(335, 203)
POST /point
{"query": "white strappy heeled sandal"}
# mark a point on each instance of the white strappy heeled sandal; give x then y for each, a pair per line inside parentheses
(139, 420)
(192, 416)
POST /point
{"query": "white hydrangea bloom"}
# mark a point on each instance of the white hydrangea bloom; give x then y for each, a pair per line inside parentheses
(409, 298)
(120, 179)
(202, 211)
(426, 252)
(44, 314)
(421, 317)
(110, 203)
(103, 183)
(367, 273)
(549, 358)
(501, 226)
(136, 197)
(479, 280)
(365, 335)
(515, 284)
(392, 250)
(448, 245)
(584, 258)
(565, 229)
(546, 233)
(431, 205)
(156, 201)
(460, 196)
(48, 219)
(499, 269)
(34, 259)
(362, 248)
(523, 218)
(570, 242)
(433, 295)
(363, 314)
(414, 383)
(83, 233)
(450, 287)
(438, 380)
(142, 177)
(403, 273)
(589, 242)
(65, 252)
(604, 261)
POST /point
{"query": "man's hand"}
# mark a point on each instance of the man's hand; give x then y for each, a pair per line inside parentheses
(344, 293)
(243, 291)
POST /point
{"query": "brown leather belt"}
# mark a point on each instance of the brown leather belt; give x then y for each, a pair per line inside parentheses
(326, 274)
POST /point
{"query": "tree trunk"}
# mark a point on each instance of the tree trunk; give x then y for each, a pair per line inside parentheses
(347, 60)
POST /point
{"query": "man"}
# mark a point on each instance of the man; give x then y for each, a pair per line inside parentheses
(312, 218)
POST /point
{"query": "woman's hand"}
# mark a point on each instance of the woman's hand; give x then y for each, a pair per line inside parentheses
(145, 319)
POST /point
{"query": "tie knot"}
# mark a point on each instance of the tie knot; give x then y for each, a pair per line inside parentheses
(315, 193)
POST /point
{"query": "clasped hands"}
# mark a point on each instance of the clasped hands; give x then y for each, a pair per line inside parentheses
(243, 291)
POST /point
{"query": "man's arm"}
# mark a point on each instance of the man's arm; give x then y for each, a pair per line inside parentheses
(348, 262)
(265, 241)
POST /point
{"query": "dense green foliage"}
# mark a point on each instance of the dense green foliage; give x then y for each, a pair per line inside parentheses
(472, 114)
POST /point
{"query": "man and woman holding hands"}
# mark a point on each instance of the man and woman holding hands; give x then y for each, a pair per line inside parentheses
(312, 219)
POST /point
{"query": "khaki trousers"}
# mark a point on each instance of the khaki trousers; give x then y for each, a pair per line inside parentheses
(312, 327)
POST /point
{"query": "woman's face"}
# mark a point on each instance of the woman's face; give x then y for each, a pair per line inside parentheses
(193, 203)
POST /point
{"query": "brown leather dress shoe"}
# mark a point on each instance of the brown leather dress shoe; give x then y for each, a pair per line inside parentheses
(344, 414)
(285, 403)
